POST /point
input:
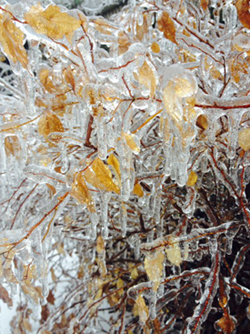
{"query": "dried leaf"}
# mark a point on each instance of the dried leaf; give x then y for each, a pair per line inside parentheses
(12, 40)
(154, 266)
(12, 146)
(4, 296)
(34, 292)
(52, 22)
(242, 7)
(192, 179)
(142, 29)
(147, 78)
(142, 309)
(49, 123)
(81, 192)
(166, 25)
(100, 177)
(244, 139)
(100, 245)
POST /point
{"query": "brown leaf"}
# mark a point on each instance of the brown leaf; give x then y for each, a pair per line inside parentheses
(51, 298)
(4, 296)
(166, 25)
(202, 122)
(52, 22)
(204, 4)
(226, 323)
(49, 123)
(12, 40)
(100, 177)
(242, 7)
(81, 192)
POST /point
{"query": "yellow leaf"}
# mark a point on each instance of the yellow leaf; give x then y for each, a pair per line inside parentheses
(115, 165)
(242, 7)
(174, 252)
(138, 190)
(130, 142)
(12, 40)
(166, 25)
(100, 245)
(154, 266)
(81, 193)
(100, 177)
(12, 146)
(202, 122)
(192, 179)
(142, 309)
(147, 78)
(244, 139)
(155, 47)
(52, 22)
(49, 123)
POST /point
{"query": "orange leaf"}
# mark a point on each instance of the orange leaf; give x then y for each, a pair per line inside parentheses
(242, 7)
(99, 175)
(130, 142)
(52, 22)
(138, 190)
(12, 40)
(49, 123)
(81, 192)
(166, 25)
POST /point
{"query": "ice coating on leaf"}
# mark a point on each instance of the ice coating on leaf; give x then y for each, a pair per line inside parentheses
(154, 266)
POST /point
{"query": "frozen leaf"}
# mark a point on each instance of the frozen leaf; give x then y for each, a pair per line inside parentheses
(147, 78)
(100, 245)
(52, 22)
(12, 146)
(192, 179)
(100, 177)
(51, 298)
(49, 123)
(204, 4)
(138, 190)
(131, 143)
(166, 25)
(174, 252)
(242, 7)
(244, 139)
(34, 292)
(81, 192)
(142, 309)
(4, 296)
(154, 266)
(115, 165)
(27, 325)
(202, 122)
(12, 40)
(226, 323)
(155, 47)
